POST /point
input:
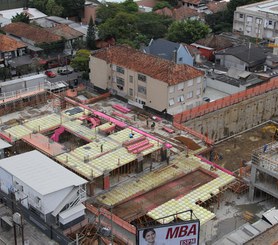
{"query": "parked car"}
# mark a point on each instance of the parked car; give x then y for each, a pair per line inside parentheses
(65, 71)
(50, 74)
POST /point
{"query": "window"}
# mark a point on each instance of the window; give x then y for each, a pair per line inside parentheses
(171, 89)
(181, 98)
(180, 59)
(270, 22)
(200, 79)
(171, 102)
(189, 95)
(131, 79)
(180, 86)
(241, 16)
(130, 92)
(120, 81)
(198, 92)
(142, 78)
(120, 70)
(190, 83)
(142, 89)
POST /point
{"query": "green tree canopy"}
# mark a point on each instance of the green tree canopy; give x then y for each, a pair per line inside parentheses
(110, 10)
(187, 31)
(91, 35)
(81, 60)
(52, 8)
(68, 7)
(22, 17)
(153, 25)
(161, 5)
(122, 26)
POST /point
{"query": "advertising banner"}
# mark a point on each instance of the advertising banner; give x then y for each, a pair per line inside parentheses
(185, 233)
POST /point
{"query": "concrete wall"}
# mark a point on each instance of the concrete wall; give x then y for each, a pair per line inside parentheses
(222, 86)
(238, 117)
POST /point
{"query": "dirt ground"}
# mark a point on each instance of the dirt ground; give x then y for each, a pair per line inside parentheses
(231, 152)
(140, 205)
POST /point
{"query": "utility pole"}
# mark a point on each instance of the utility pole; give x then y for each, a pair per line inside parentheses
(111, 225)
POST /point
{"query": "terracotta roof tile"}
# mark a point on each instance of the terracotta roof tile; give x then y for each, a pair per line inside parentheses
(215, 7)
(184, 13)
(216, 42)
(31, 32)
(65, 31)
(8, 44)
(155, 67)
(196, 2)
(165, 11)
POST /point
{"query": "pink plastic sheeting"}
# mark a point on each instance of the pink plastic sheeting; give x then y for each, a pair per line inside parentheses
(57, 133)
(215, 165)
(150, 136)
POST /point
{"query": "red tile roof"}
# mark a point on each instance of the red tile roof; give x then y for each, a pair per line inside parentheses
(65, 31)
(183, 12)
(195, 2)
(31, 32)
(8, 44)
(216, 42)
(155, 67)
(215, 7)
(165, 11)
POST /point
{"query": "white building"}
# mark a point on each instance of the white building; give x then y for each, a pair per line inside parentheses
(44, 187)
(258, 20)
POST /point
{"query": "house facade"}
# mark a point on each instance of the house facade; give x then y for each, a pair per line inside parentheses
(35, 181)
(169, 50)
(242, 58)
(258, 20)
(146, 80)
(11, 48)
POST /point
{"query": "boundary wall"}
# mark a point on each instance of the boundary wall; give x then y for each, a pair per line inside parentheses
(230, 115)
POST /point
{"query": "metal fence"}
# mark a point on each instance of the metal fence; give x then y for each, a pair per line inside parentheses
(35, 220)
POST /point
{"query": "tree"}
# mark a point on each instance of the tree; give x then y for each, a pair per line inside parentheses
(38, 4)
(130, 6)
(91, 35)
(122, 26)
(22, 17)
(187, 31)
(81, 60)
(153, 25)
(161, 5)
(71, 7)
(52, 8)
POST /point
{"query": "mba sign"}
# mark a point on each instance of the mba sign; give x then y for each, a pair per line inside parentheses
(186, 233)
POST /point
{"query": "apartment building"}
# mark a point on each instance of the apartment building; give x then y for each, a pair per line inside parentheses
(258, 20)
(146, 80)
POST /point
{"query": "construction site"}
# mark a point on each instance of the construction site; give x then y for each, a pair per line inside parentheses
(140, 168)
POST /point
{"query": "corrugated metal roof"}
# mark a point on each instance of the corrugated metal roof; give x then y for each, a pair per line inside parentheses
(4, 144)
(69, 212)
(40, 172)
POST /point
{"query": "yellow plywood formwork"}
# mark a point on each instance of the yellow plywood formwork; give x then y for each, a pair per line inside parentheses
(78, 129)
(123, 135)
(94, 149)
(83, 112)
(105, 126)
(79, 166)
(148, 181)
(17, 132)
(44, 123)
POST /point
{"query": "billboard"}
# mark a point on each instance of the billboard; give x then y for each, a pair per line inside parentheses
(185, 233)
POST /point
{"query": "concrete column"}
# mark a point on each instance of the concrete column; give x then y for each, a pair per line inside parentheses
(106, 181)
(252, 182)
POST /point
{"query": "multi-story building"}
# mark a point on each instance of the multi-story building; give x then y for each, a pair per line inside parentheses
(264, 170)
(146, 80)
(258, 20)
